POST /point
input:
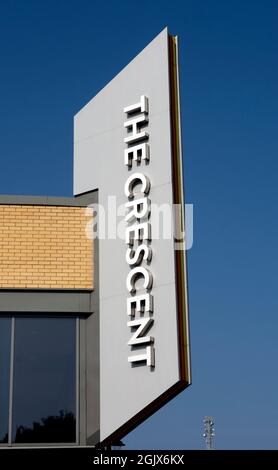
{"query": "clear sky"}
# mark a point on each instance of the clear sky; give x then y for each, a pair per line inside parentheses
(55, 56)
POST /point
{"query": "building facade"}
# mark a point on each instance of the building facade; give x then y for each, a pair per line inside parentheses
(94, 334)
(47, 299)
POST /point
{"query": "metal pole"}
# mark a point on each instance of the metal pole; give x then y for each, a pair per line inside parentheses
(209, 432)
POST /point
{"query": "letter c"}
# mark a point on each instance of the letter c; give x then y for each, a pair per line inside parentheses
(133, 180)
(134, 274)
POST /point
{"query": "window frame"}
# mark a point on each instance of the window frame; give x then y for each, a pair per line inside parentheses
(80, 382)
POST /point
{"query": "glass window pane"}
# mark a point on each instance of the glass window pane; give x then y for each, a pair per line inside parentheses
(44, 394)
(5, 351)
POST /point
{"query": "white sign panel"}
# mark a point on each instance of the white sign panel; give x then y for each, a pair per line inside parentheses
(126, 145)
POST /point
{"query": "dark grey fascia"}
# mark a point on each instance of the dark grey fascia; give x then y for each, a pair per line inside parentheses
(45, 301)
(82, 200)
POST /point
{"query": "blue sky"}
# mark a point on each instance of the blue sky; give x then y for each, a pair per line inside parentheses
(55, 56)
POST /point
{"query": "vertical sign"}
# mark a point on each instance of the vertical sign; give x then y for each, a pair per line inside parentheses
(127, 147)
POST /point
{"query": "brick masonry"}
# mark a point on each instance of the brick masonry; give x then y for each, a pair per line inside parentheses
(45, 247)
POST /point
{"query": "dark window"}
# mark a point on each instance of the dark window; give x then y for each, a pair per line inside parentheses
(5, 352)
(44, 395)
(41, 404)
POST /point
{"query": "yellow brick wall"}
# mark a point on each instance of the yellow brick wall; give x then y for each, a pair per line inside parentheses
(45, 247)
